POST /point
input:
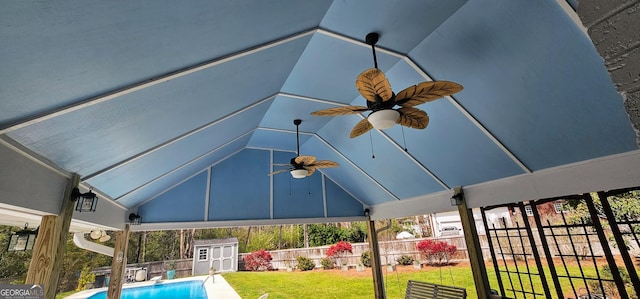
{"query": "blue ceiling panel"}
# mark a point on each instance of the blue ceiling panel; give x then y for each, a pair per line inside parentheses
(80, 50)
(339, 203)
(400, 29)
(322, 74)
(285, 109)
(360, 185)
(169, 180)
(125, 126)
(391, 166)
(542, 91)
(240, 187)
(451, 147)
(185, 202)
(122, 179)
(277, 140)
(296, 198)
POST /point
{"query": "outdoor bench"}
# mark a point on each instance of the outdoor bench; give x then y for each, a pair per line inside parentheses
(425, 290)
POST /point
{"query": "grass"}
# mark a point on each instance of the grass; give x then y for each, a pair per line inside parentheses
(336, 284)
(351, 284)
(65, 294)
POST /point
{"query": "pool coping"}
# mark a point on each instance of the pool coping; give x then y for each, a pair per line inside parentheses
(216, 288)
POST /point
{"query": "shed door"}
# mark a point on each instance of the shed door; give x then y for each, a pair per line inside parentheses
(202, 261)
(223, 257)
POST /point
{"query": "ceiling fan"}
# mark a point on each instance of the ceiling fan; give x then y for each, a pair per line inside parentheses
(99, 235)
(303, 166)
(381, 100)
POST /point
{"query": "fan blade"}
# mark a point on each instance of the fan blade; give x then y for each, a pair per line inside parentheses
(325, 164)
(340, 111)
(426, 92)
(310, 170)
(413, 118)
(305, 160)
(372, 83)
(288, 164)
(361, 127)
(280, 171)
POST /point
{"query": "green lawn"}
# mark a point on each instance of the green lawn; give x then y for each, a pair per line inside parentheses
(335, 284)
(352, 284)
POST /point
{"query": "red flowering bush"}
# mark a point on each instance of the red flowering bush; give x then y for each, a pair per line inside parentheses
(436, 252)
(339, 250)
(258, 261)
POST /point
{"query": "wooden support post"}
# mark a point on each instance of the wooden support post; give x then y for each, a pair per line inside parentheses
(48, 250)
(378, 281)
(473, 248)
(118, 263)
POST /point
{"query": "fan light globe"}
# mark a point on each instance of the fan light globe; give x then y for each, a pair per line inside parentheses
(298, 173)
(383, 119)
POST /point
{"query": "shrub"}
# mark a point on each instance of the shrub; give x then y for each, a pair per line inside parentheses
(339, 250)
(305, 263)
(326, 263)
(436, 252)
(365, 258)
(405, 260)
(258, 261)
(86, 277)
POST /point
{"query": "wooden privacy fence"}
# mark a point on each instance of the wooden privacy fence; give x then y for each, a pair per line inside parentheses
(390, 251)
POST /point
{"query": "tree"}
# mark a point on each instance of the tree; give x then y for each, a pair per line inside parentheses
(13, 265)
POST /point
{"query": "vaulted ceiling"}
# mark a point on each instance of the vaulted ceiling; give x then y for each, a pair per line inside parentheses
(178, 111)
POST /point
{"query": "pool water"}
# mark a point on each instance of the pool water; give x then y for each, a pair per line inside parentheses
(179, 290)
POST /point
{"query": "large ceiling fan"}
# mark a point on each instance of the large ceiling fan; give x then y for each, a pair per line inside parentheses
(303, 166)
(381, 100)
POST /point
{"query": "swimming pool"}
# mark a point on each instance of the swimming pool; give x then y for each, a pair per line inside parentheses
(187, 289)
(179, 288)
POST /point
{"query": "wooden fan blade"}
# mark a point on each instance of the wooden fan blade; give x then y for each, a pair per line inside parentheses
(305, 160)
(361, 127)
(280, 171)
(426, 92)
(310, 170)
(340, 111)
(372, 83)
(325, 164)
(413, 118)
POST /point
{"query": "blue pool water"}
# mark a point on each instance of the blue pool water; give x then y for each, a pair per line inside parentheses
(180, 290)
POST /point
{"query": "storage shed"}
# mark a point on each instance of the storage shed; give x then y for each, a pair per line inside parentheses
(221, 254)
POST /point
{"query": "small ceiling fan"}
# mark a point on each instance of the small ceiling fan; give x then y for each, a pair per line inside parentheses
(99, 235)
(303, 166)
(381, 100)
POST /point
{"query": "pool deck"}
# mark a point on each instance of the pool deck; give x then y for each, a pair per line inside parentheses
(216, 289)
